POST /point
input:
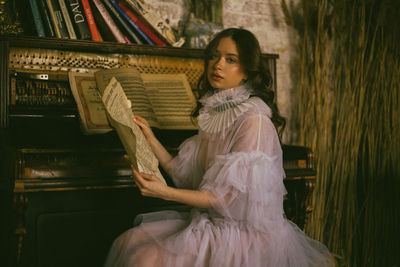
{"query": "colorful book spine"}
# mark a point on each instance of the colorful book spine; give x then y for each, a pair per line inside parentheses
(67, 19)
(37, 19)
(146, 30)
(130, 21)
(109, 21)
(149, 14)
(122, 22)
(78, 18)
(104, 30)
(57, 18)
(48, 24)
(91, 22)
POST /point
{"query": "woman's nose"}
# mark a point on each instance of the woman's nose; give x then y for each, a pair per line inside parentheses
(219, 63)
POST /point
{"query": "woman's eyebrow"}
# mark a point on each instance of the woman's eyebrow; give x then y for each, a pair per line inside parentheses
(232, 55)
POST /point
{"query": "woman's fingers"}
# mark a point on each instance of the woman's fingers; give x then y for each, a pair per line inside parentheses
(138, 177)
(144, 126)
(149, 185)
(140, 118)
(142, 178)
(141, 121)
(148, 177)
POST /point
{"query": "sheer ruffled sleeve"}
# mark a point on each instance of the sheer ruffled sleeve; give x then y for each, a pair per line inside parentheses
(248, 182)
(183, 167)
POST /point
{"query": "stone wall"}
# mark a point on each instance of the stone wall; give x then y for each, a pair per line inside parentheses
(265, 19)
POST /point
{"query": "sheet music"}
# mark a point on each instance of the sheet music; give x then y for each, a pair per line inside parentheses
(164, 100)
(172, 99)
(119, 109)
(91, 109)
(131, 83)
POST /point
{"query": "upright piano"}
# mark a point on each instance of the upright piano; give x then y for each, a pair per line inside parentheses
(66, 196)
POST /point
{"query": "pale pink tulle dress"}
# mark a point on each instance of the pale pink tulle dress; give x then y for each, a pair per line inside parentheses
(237, 157)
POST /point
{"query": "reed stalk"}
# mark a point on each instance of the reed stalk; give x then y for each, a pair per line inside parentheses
(349, 114)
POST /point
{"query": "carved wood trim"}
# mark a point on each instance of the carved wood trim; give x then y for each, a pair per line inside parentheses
(20, 205)
(108, 47)
(4, 83)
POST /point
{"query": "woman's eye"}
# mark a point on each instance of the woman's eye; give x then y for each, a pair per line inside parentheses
(231, 60)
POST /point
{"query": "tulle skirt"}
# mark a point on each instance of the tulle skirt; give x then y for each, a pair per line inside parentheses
(197, 239)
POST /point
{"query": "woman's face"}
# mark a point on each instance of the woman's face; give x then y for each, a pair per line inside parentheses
(224, 69)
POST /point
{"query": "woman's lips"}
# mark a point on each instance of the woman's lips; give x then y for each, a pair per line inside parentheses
(216, 77)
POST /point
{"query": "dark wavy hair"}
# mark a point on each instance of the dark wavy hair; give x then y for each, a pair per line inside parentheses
(254, 65)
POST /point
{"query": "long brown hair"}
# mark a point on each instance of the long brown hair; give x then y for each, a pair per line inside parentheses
(255, 67)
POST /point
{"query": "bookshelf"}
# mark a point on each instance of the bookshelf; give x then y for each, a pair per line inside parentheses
(123, 21)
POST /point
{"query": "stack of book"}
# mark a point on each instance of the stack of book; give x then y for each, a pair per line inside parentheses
(124, 21)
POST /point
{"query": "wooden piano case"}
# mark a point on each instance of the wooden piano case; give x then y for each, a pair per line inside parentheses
(65, 196)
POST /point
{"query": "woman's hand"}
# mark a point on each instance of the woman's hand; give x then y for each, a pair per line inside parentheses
(144, 126)
(159, 150)
(150, 185)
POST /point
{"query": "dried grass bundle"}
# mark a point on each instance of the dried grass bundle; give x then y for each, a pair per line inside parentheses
(349, 114)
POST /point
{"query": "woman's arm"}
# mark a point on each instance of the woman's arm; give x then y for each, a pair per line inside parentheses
(163, 156)
(151, 186)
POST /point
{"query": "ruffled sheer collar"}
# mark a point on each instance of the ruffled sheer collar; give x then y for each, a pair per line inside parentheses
(220, 110)
(232, 95)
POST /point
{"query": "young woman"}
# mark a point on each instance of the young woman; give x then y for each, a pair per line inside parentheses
(230, 173)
